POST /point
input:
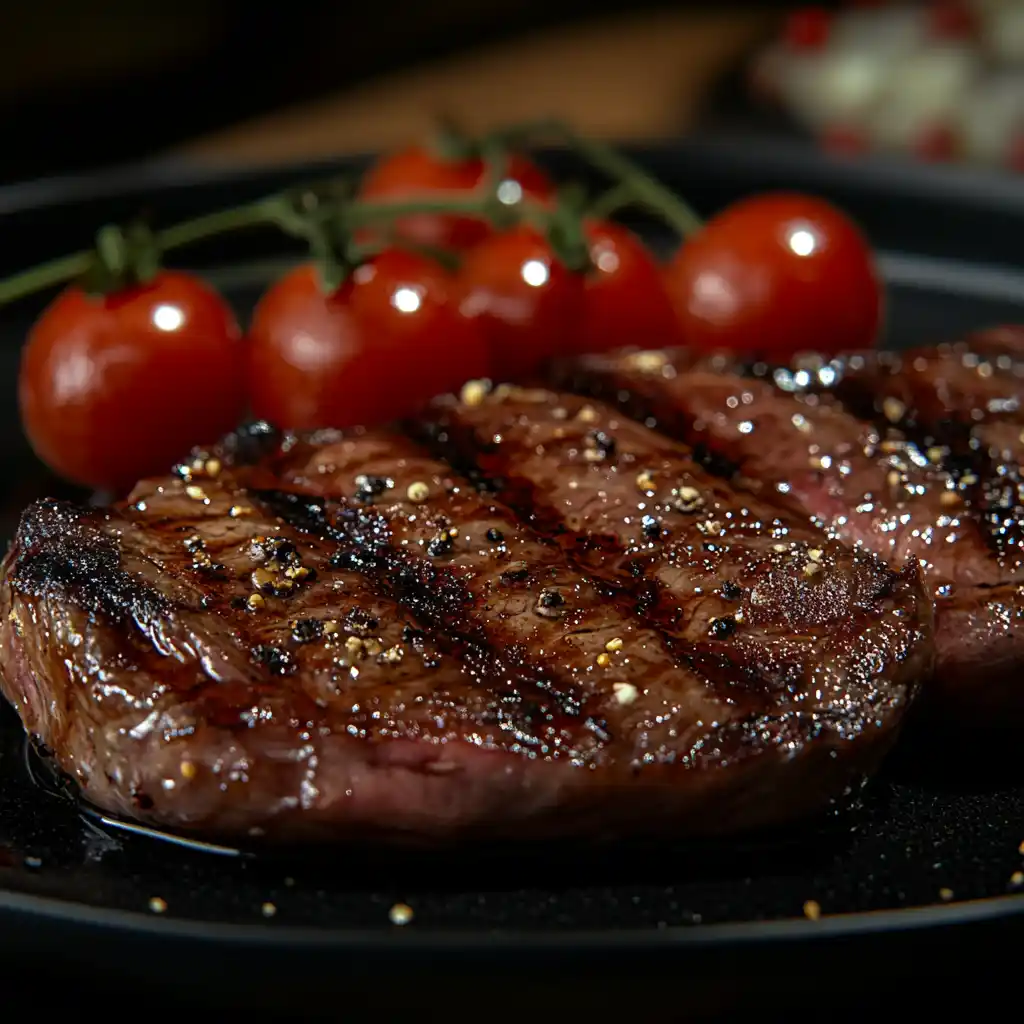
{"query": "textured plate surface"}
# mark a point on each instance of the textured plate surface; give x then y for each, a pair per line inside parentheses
(936, 842)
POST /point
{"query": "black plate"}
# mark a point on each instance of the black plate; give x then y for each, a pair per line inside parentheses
(927, 860)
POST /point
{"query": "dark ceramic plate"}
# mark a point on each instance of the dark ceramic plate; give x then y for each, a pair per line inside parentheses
(926, 863)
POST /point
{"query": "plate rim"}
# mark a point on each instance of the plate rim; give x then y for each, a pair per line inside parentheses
(415, 938)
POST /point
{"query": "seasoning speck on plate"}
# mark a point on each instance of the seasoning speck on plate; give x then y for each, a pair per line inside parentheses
(400, 913)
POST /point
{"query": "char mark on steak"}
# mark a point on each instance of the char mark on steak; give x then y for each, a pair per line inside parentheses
(959, 403)
(866, 482)
(752, 595)
(330, 636)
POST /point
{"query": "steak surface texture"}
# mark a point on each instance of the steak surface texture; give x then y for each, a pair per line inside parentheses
(337, 636)
(911, 456)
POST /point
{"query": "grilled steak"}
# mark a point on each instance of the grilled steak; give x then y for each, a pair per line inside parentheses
(967, 396)
(337, 636)
(865, 481)
(750, 597)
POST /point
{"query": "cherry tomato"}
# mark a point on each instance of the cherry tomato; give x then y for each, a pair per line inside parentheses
(625, 300)
(777, 274)
(528, 304)
(808, 28)
(374, 350)
(115, 387)
(416, 172)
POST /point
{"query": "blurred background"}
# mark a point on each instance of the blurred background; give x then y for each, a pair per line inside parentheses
(85, 83)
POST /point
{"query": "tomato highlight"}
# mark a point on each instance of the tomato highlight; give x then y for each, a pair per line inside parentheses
(375, 349)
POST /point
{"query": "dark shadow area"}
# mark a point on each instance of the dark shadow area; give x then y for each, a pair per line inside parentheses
(93, 84)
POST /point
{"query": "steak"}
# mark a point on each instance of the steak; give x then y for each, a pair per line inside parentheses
(967, 396)
(876, 480)
(336, 636)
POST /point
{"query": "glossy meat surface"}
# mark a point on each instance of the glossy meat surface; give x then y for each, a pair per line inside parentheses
(750, 595)
(896, 492)
(332, 636)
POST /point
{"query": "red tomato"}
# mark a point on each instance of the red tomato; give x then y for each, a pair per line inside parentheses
(625, 301)
(416, 172)
(115, 387)
(374, 350)
(777, 274)
(952, 19)
(808, 28)
(527, 303)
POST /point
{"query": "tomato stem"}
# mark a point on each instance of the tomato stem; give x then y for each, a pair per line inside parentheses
(270, 210)
(647, 191)
(644, 189)
(45, 275)
(617, 198)
(450, 142)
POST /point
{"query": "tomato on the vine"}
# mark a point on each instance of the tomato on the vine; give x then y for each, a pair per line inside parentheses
(418, 173)
(117, 386)
(526, 302)
(375, 349)
(625, 299)
(777, 274)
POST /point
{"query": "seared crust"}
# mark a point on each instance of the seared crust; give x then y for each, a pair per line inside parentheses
(882, 480)
(337, 636)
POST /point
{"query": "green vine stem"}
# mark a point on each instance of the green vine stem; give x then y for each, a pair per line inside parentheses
(45, 275)
(609, 203)
(280, 211)
(644, 189)
(272, 210)
(304, 212)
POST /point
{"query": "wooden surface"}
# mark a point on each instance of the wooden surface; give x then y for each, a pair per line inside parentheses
(629, 77)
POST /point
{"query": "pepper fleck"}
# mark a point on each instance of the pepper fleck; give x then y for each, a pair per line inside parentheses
(440, 545)
(277, 661)
(368, 487)
(304, 631)
(651, 527)
(723, 626)
(599, 440)
(495, 536)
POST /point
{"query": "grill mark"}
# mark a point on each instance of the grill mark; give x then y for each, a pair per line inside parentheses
(877, 388)
(430, 594)
(637, 403)
(658, 384)
(621, 555)
(61, 556)
(524, 716)
(593, 683)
